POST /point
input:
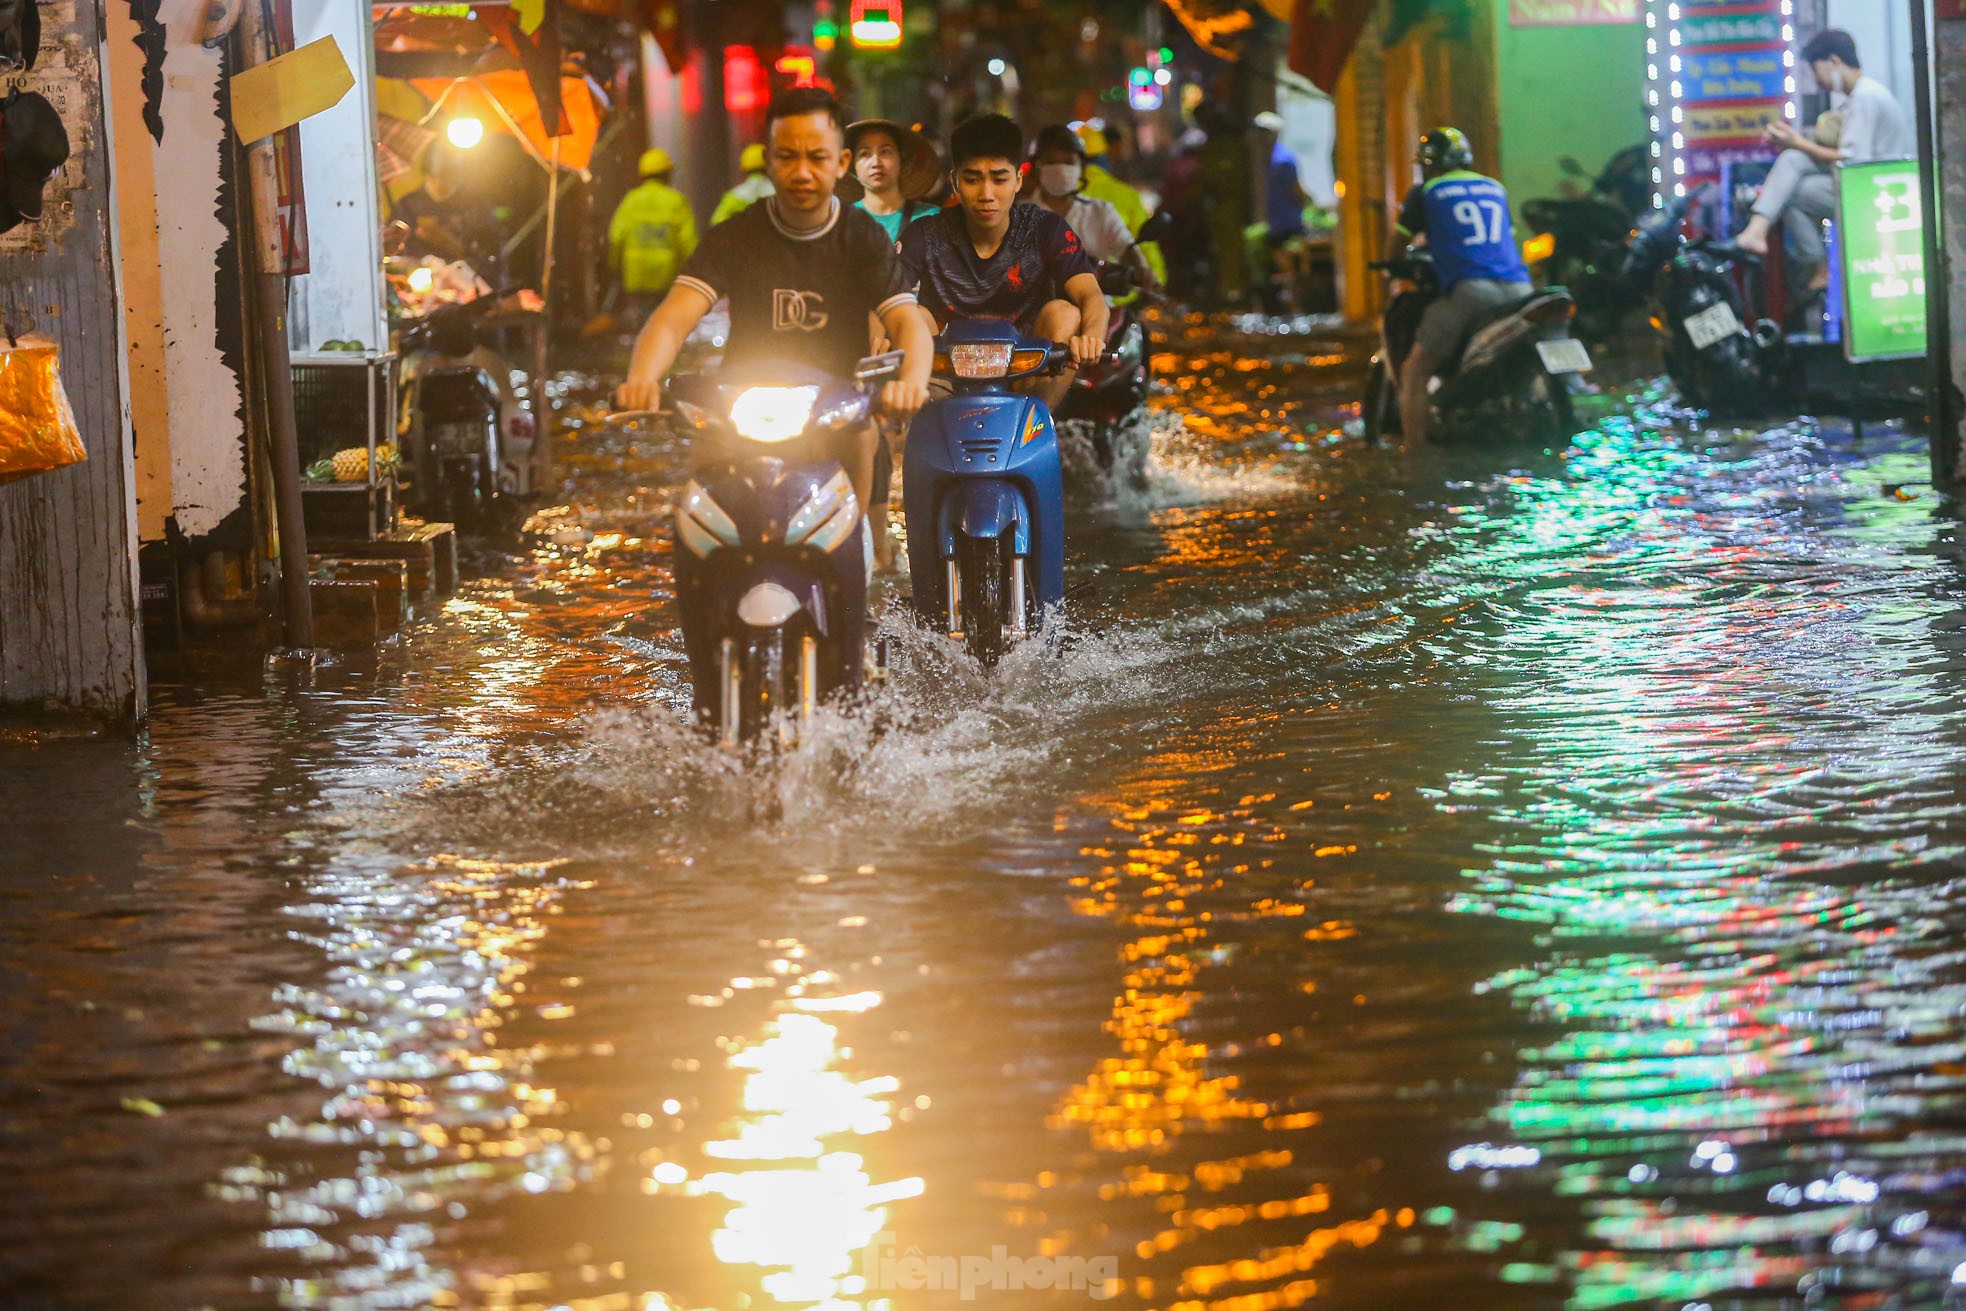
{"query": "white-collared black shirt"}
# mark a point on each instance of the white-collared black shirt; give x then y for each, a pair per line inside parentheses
(802, 297)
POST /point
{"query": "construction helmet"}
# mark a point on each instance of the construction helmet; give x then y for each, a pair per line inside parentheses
(1444, 147)
(656, 163)
(753, 158)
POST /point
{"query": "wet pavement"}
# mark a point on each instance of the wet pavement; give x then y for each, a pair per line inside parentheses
(1474, 879)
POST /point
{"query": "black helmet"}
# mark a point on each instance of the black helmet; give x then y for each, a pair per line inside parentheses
(1057, 136)
(1445, 147)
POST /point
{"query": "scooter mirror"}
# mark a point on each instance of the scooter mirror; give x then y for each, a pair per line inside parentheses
(877, 368)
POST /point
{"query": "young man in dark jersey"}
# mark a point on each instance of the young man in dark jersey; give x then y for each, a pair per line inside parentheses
(992, 258)
(803, 274)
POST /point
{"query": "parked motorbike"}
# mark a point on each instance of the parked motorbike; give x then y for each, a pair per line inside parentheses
(983, 491)
(465, 436)
(773, 550)
(1716, 359)
(1581, 242)
(1514, 374)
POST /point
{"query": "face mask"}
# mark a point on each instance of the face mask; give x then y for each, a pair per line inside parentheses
(1059, 179)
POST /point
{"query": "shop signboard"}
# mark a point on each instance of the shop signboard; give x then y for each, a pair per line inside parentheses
(1709, 75)
(1572, 13)
(1880, 228)
(1718, 75)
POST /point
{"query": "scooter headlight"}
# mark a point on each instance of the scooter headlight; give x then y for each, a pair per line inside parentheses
(773, 414)
(980, 359)
(828, 516)
(702, 523)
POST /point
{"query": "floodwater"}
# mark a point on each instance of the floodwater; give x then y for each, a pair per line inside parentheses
(1474, 880)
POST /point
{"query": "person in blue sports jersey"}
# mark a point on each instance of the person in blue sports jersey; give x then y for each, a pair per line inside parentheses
(1464, 218)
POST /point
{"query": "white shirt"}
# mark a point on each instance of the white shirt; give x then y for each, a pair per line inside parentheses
(1874, 125)
(1101, 230)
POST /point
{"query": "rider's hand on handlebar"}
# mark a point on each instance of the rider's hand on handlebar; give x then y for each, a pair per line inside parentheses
(903, 400)
(1086, 349)
(637, 395)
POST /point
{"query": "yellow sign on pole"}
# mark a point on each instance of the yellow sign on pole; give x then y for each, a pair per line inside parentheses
(282, 91)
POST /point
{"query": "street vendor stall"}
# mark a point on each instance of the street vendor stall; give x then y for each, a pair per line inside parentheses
(463, 93)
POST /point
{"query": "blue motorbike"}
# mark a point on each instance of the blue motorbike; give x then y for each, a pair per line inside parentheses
(983, 491)
(773, 549)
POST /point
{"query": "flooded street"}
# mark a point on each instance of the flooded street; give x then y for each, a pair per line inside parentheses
(1440, 879)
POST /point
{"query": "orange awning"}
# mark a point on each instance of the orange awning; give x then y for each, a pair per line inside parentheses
(502, 100)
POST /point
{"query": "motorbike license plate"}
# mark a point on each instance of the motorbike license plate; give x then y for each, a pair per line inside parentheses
(1715, 323)
(1567, 355)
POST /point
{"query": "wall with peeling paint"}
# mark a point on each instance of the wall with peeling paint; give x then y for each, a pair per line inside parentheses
(69, 627)
(182, 315)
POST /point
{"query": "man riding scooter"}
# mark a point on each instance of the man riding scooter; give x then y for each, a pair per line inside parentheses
(992, 258)
(1464, 219)
(1058, 160)
(803, 273)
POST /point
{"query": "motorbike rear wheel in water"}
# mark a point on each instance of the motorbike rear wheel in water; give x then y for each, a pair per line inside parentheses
(1724, 379)
(1379, 411)
(1562, 409)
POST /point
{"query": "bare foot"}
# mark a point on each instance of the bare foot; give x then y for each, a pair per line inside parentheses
(1754, 237)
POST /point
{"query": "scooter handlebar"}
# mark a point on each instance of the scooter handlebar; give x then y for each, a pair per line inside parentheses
(878, 369)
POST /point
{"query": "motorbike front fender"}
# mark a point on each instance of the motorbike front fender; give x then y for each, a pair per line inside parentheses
(985, 508)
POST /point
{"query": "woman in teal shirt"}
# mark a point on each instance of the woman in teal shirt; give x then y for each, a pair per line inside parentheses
(896, 166)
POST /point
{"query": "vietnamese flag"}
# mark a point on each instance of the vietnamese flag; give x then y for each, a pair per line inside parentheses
(1322, 34)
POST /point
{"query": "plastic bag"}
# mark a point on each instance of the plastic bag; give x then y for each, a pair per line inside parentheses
(37, 425)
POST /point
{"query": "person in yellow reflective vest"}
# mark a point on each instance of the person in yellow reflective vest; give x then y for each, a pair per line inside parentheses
(755, 187)
(1100, 184)
(653, 231)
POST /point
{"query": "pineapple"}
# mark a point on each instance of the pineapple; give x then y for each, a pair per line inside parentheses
(351, 465)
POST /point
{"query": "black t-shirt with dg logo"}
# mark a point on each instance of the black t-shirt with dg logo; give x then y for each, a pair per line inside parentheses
(800, 297)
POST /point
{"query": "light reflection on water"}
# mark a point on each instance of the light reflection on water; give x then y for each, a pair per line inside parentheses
(1491, 880)
(803, 1207)
(427, 1108)
(1752, 973)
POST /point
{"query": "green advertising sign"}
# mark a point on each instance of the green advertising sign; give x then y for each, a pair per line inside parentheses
(1880, 232)
(1750, 29)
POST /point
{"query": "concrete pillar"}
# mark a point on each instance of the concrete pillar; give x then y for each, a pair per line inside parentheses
(1949, 147)
(1364, 211)
(69, 620)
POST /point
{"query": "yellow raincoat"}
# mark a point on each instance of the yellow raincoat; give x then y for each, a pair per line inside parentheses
(651, 234)
(1101, 185)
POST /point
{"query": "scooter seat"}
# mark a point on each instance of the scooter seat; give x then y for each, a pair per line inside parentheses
(1550, 305)
(1505, 325)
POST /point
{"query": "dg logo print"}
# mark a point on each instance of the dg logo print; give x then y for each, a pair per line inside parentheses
(802, 311)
